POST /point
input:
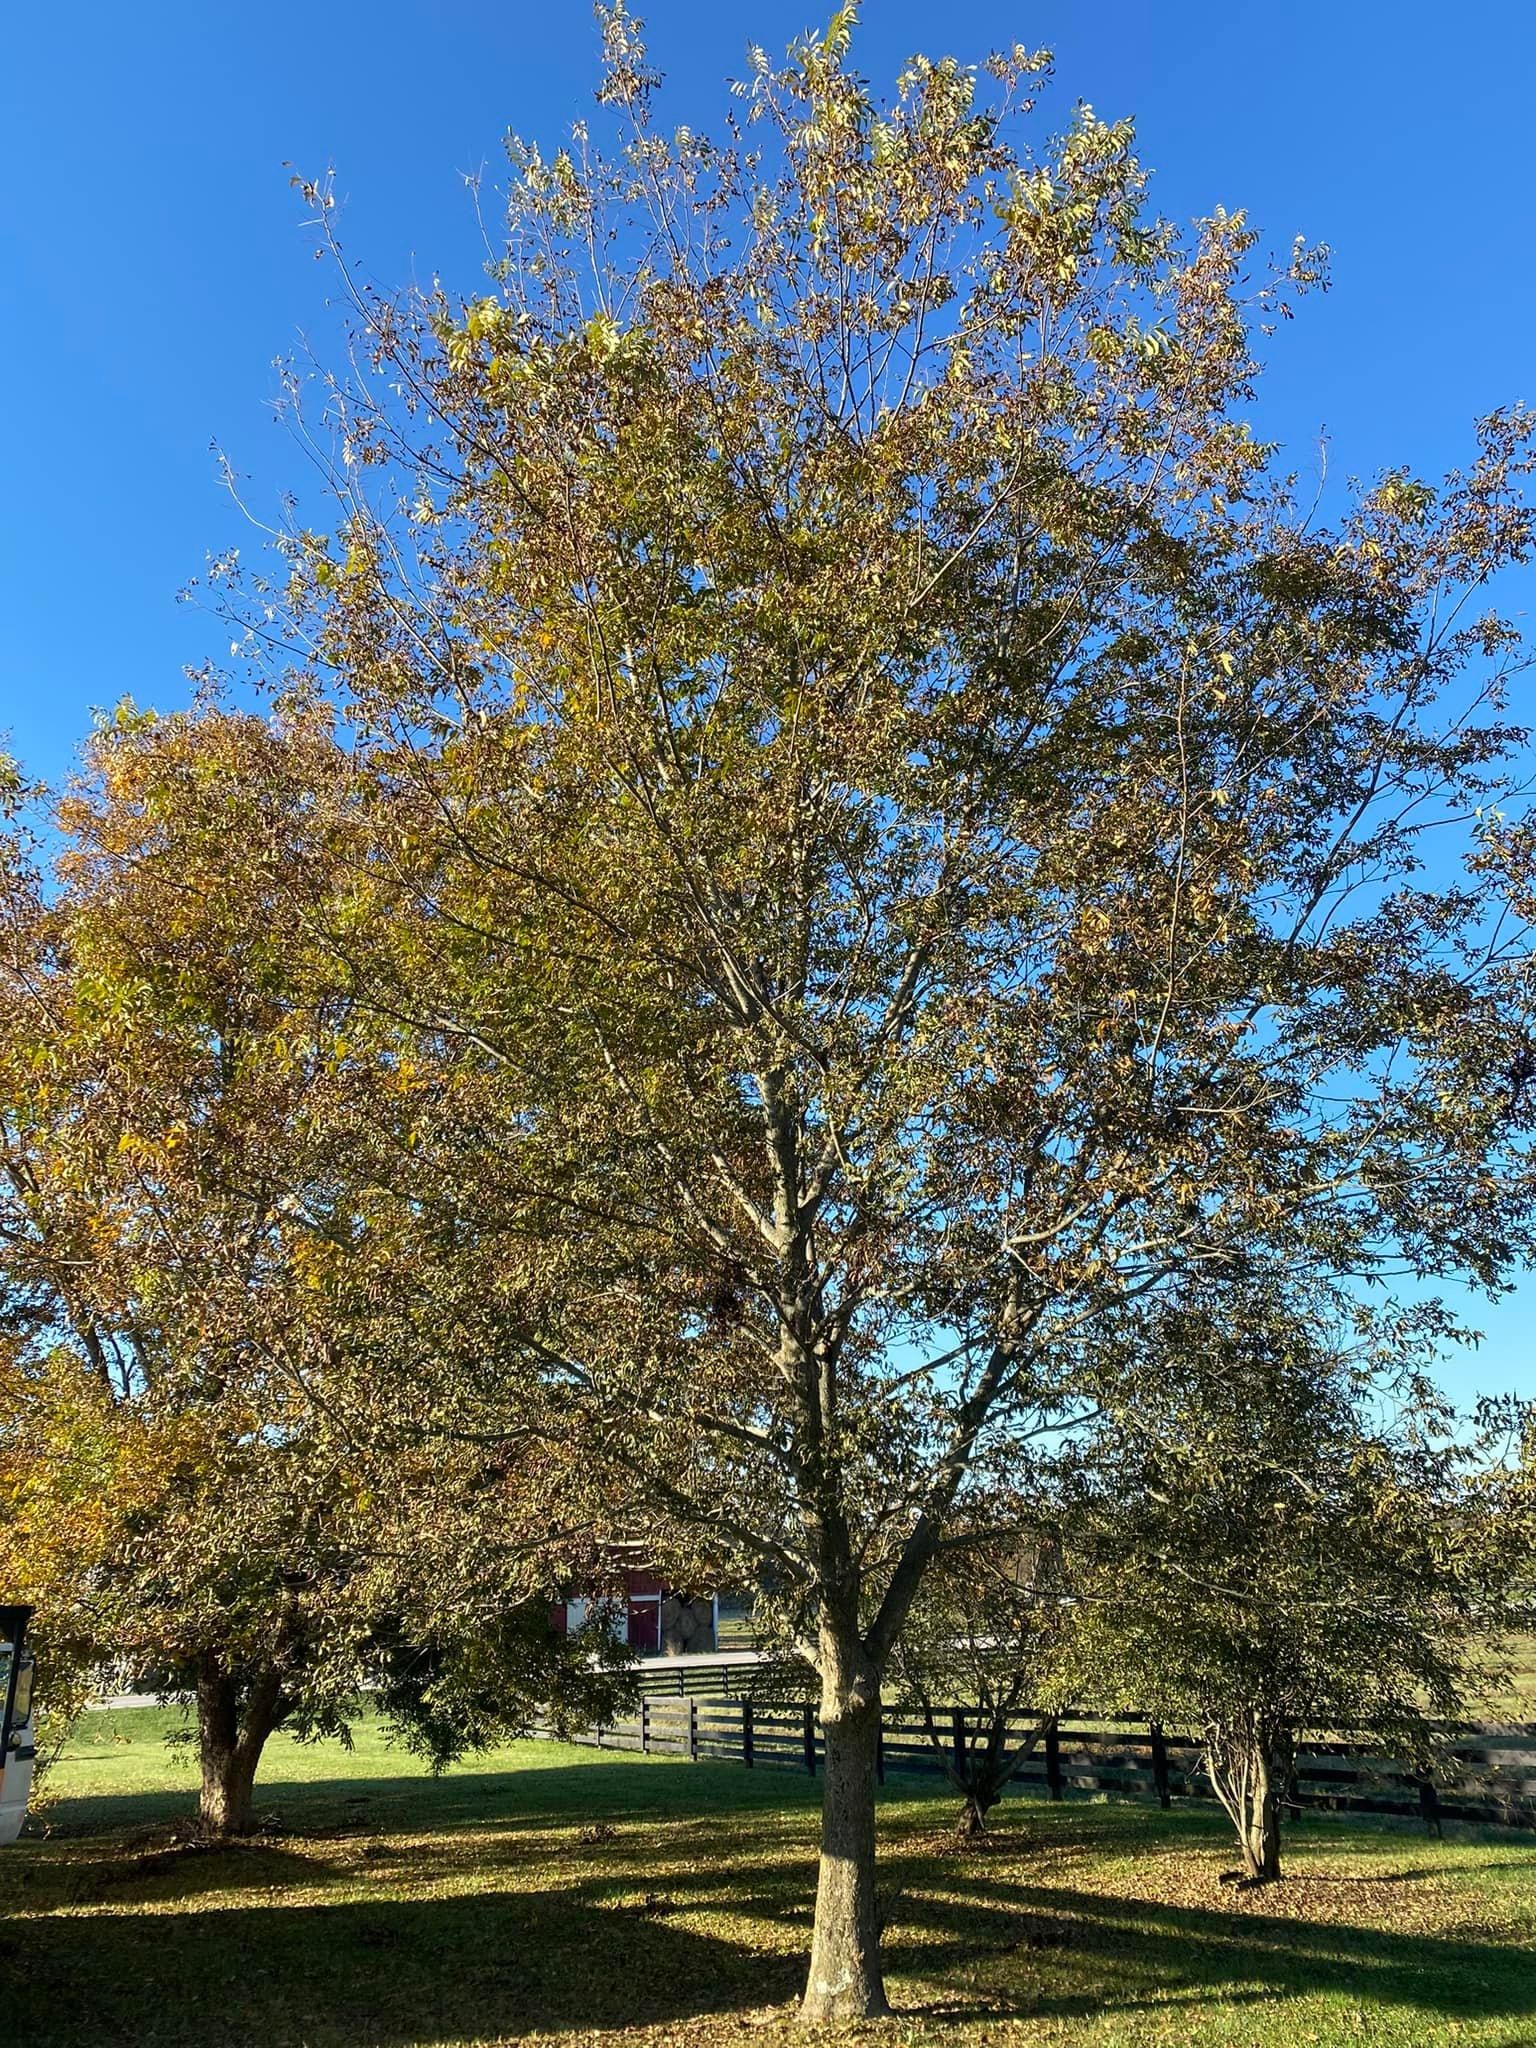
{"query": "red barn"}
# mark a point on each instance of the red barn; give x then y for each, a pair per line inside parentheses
(658, 1620)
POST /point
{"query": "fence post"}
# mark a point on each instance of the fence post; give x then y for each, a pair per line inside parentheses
(645, 1726)
(809, 1725)
(1429, 1804)
(957, 1735)
(693, 1731)
(1160, 1765)
(1053, 1758)
(880, 1748)
(746, 1733)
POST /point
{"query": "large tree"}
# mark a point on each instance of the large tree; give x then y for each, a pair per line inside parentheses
(891, 830)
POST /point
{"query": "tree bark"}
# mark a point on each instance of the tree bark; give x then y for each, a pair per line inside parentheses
(1248, 1762)
(845, 1980)
(973, 1815)
(983, 1768)
(230, 1744)
(1261, 1844)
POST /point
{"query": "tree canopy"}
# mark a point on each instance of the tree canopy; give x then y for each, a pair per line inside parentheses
(204, 1275)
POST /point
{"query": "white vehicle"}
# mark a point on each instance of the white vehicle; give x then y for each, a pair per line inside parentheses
(17, 1749)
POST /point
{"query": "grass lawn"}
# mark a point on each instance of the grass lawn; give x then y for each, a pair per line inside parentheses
(570, 1896)
(1520, 1698)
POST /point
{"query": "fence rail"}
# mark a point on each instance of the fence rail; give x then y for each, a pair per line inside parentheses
(1489, 1775)
(696, 1677)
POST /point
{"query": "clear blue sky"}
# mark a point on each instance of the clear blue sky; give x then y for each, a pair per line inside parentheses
(154, 264)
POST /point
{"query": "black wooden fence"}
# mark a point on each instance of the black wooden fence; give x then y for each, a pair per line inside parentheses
(679, 1678)
(1488, 1773)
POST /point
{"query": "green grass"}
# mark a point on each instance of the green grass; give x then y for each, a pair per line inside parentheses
(576, 1896)
(1520, 1697)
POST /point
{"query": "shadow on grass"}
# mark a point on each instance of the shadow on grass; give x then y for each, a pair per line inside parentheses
(1088, 1952)
(379, 1973)
(691, 1896)
(383, 1973)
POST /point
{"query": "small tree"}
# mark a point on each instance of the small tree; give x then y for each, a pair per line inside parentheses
(987, 1656)
(1285, 1542)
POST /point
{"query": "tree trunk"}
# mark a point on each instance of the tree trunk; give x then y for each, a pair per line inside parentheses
(1248, 1761)
(982, 1770)
(230, 1744)
(845, 1981)
(973, 1815)
(1261, 1838)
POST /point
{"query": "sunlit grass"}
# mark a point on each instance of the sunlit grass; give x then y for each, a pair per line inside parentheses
(576, 1896)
